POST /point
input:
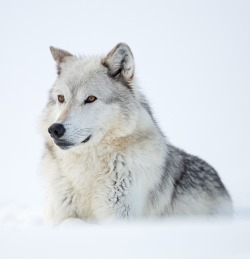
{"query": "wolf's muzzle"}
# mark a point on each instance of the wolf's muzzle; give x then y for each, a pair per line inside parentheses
(56, 130)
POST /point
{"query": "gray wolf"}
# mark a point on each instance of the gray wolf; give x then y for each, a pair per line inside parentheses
(105, 156)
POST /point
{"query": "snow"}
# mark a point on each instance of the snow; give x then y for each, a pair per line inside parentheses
(192, 62)
(171, 238)
(23, 234)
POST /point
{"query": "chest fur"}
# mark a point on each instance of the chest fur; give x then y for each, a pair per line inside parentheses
(78, 180)
(103, 185)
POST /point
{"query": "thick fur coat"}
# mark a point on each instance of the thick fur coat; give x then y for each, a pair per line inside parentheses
(106, 158)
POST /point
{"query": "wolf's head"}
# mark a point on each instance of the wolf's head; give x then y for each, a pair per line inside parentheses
(92, 97)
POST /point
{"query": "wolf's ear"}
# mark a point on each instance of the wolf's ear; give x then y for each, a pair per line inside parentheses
(120, 64)
(59, 56)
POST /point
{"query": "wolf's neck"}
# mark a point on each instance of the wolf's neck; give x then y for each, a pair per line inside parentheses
(144, 133)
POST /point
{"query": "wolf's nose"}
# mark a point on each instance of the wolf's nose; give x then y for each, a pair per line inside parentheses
(56, 130)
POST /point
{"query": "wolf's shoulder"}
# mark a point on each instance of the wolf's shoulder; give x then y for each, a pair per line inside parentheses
(188, 161)
(192, 172)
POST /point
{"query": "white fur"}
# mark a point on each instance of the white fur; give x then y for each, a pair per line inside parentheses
(112, 175)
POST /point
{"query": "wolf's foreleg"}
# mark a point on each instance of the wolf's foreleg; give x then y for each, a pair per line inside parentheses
(115, 197)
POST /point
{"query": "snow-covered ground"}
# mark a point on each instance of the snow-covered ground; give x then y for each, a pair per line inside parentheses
(24, 235)
(192, 62)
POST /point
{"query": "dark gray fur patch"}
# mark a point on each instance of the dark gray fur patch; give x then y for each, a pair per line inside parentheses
(187, 173)
(197, 174)
(170, 169)
(120, 190)
(59, 70)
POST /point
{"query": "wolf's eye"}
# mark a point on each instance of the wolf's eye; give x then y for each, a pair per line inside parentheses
(60, 98)
(90, 99)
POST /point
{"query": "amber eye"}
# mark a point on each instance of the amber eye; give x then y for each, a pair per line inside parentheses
(60, 98)
(90, 99)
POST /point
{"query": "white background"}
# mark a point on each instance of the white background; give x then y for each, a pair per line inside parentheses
(193, 63)
(192, 60)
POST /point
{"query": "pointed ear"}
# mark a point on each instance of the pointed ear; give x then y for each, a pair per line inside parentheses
(120, 64)
(59, 56)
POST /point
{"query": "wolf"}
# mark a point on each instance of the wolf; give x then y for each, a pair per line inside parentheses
(105, 156)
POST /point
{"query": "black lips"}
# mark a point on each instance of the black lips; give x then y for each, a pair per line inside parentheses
(63, 144)
(86, 139)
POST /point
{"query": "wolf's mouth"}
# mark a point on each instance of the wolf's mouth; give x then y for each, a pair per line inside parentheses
(66, 145)
(86, 139)
(63, 144)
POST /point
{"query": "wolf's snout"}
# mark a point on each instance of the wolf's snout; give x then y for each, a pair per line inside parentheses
(56, 130)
